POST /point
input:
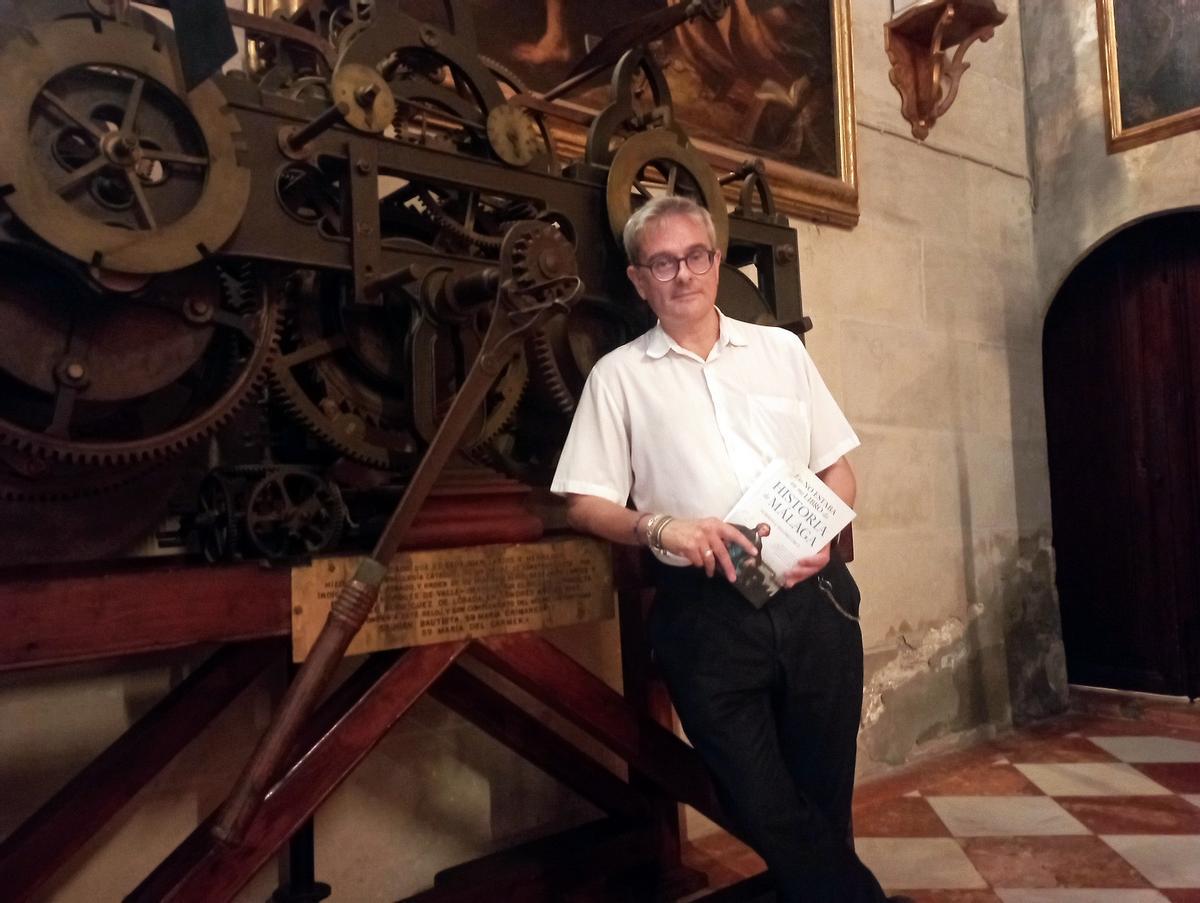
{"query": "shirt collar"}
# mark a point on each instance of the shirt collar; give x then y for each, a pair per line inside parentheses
(732, 332)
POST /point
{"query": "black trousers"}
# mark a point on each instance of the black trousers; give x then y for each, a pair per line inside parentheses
(771, 699)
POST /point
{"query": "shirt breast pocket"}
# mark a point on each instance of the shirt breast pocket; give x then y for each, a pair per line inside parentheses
(780, 425)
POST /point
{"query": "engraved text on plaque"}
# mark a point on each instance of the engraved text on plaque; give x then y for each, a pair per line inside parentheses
(449, 594)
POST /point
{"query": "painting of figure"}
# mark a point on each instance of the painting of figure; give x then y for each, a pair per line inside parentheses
(762, 80)
(1150, 50)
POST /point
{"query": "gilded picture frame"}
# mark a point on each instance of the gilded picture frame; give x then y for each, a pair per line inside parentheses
(1150, 65)
(717, 88)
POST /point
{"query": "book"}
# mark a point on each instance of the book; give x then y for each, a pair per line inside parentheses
(789, 514)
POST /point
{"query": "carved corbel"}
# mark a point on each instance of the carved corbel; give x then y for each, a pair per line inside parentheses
(917, 40)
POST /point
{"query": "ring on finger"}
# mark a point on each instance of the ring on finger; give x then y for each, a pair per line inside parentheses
(708, 553)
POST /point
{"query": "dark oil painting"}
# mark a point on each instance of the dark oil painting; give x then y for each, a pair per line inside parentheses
(1158, 58)
(761, 80)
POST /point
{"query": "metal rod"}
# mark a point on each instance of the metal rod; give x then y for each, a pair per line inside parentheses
(575, 81)
(327, 120)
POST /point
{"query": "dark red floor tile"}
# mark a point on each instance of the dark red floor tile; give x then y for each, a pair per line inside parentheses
(1050, 862)
(903, 817)
(1134, 814)
(1182, 896)
(1030, 750)
(1180, 777)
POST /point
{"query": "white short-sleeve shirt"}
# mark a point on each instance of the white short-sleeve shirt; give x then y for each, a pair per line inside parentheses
(687, 436)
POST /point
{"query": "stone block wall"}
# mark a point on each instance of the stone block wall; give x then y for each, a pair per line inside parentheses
(928, 327)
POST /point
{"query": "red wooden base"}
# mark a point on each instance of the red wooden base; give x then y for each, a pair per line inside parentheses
(120, 610)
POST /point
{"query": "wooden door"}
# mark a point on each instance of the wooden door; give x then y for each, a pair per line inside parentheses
(1121, 351)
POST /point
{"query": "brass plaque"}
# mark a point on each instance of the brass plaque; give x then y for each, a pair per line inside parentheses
(450, 594)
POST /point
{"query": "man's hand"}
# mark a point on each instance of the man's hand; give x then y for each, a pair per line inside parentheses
(702, 542)
(805, 568)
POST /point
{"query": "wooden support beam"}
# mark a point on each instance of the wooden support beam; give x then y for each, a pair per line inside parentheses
(41, 845)
(555, 679)
(507, 722)
(69, 615)
(204, 871)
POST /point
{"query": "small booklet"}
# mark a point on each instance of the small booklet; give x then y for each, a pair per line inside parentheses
(788, 514)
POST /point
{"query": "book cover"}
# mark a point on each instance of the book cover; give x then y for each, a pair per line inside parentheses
(789, 514)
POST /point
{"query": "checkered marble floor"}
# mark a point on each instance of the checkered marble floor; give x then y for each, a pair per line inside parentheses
(1082, 809)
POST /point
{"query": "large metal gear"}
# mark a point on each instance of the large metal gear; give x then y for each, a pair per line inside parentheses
(450, 98)
(342, 373)
(109, 378)
(501, 405)
(660, 160)
(564, 351)
(105, 156)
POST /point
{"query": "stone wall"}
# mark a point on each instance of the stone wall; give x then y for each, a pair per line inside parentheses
(928, 319)
(1084, 194)
(927, 326)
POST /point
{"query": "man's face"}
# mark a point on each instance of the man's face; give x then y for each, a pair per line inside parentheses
(688, 299)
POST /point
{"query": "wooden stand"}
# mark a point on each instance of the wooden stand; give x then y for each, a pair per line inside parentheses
(102, 612)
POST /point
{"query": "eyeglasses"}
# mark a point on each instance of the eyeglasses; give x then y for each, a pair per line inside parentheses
(664, 267)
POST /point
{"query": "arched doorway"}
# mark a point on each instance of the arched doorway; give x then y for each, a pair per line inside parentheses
(1121, 358)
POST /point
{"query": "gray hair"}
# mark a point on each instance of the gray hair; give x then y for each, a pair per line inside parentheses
(660, 208)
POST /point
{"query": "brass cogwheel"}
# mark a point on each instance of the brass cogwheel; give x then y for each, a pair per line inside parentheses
(660, 159)
(107, 158)
(512, 84)
(106, 379)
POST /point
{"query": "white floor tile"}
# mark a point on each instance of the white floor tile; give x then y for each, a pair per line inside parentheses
(1078, 895)
(1165, 861)
(918, 862)
(1092, 779)
(1002, 816)
(1149, 749)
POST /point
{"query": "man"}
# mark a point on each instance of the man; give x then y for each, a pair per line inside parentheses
(681, 421)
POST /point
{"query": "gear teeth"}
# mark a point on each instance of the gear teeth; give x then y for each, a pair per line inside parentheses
(298, 403)
(253, 375)
(438, 214)
(302, 409)
(547, 363)
(511, 389)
